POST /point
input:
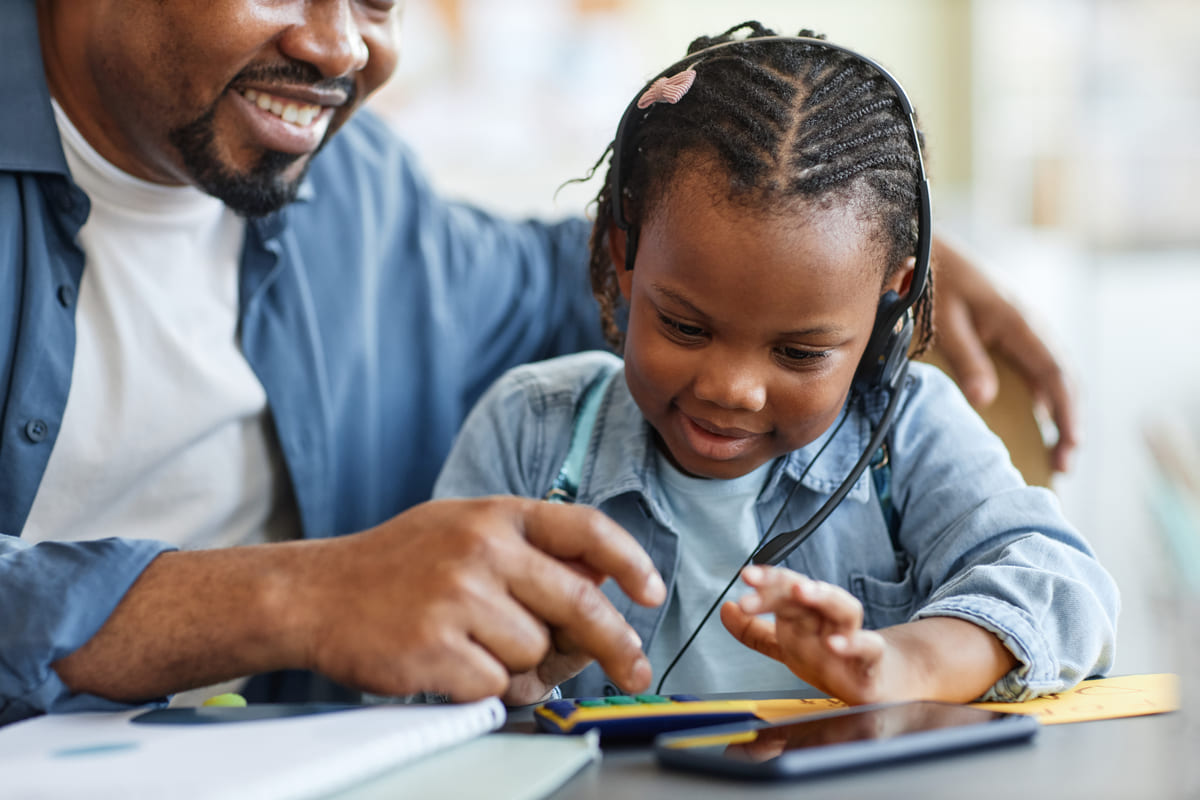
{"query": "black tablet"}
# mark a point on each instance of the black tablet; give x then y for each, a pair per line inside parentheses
(847, 739)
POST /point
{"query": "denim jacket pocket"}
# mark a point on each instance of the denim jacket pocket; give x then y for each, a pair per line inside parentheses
(885, 602)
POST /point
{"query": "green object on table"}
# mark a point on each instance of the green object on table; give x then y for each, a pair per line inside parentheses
(651, 698)
(229, 699)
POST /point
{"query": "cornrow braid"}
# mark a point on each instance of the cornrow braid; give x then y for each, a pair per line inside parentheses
(784, 120)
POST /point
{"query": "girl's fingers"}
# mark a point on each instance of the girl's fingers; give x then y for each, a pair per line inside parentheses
(770, 585)
(755, 575)
(754, 632)
(773, 585)
(808, 607)
(866, 647)
(840, 608)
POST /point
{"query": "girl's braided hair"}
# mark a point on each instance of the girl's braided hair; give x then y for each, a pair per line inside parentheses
(784, 120)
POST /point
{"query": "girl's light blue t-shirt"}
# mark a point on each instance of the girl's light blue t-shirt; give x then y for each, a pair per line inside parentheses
(719, 530)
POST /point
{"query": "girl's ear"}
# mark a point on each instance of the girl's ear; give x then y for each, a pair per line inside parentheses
(902, 280)
(616, 252)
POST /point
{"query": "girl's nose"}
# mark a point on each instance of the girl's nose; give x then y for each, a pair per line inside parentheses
(733, 383)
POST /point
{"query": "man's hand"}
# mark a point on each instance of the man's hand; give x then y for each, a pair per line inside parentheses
(455, 596)
(565, 660)
(452, 596)
(972, 318)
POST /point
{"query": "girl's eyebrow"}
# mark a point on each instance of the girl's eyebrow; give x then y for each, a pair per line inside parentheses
(675, 296)
(817, 330)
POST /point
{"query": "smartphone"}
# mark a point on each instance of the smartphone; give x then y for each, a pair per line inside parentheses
(847, 739)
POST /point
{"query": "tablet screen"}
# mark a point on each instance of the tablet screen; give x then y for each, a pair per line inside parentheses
(873, 724)
(851, 739)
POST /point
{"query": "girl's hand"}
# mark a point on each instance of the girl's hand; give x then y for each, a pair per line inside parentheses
(818, 634)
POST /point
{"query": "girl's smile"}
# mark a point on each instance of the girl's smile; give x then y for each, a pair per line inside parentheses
(713, 441)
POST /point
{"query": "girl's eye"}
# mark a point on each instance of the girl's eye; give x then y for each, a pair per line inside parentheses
(796, 355)
(383, 6)
(680, 329)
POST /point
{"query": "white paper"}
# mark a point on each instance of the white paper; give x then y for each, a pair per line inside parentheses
(104, 755)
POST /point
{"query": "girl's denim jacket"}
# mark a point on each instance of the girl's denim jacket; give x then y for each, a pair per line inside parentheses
(972, 541)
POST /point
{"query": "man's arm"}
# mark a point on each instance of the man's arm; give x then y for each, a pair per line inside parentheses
(53, 597)
(450, 597)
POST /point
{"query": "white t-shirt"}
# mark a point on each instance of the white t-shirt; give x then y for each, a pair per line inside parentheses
(166, 432)
(718, 529)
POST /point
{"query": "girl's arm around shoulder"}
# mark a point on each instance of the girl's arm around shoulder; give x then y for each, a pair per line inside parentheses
(516, 436)
(986, 548)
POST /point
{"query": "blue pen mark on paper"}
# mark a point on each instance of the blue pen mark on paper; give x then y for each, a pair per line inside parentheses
(94, 749)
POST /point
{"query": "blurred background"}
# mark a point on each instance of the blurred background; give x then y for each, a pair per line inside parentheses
(1063, 156)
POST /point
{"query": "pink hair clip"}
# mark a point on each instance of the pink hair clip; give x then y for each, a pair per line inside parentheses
(668, 90)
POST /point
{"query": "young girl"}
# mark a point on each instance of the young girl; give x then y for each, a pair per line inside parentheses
(770, 214)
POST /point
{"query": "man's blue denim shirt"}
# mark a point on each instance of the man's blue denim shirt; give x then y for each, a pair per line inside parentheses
(373, 312)
(974, 542)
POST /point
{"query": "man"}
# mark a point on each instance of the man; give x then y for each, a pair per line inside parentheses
(270, 345)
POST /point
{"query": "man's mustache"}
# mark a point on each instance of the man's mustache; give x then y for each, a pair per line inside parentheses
(297, 72)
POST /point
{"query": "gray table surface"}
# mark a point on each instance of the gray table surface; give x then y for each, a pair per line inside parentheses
(1138, 757)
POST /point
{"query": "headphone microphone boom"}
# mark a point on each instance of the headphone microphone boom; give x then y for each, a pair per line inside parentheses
(885, 360)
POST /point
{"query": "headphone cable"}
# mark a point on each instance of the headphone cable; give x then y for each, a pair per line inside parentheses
(757, 548)
(781, 546)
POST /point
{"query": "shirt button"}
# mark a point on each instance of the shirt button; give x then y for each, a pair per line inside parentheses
(610, 690)
(66, 295)
(36, 430)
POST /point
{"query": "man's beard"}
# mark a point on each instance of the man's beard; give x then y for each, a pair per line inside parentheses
(256, 193)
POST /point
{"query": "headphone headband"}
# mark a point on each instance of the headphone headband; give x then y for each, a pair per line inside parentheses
(880, 360)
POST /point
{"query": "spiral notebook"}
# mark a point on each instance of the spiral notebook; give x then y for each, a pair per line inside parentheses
(108, 755)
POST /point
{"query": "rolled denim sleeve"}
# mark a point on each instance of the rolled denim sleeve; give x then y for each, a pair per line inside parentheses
(54, 596)
(1042, 593)
(993, 551)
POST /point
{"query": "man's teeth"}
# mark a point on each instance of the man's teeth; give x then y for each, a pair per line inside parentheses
(296, 113)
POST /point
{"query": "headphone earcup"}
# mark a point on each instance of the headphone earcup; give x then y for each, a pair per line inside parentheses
(888, 346)
(896, 351)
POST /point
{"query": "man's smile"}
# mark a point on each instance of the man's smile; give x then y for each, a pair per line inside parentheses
(301, 114)
(284, 124)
